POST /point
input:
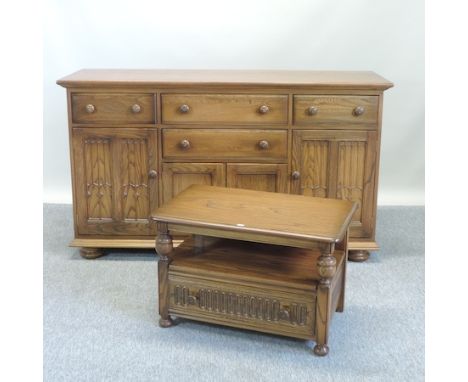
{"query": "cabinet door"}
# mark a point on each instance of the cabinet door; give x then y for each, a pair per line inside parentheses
(176, 177)
(115, 180)
(261, 177)
(341, 165)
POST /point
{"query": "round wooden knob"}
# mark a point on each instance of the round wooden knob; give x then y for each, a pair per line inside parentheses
(185, 144)
(136, 108)
(312, 110)
(296, 175)
(284, 315)
(153, 174)
(263, 109)
(90, 108)
(263, 144)
(184, 108)
(359, 110)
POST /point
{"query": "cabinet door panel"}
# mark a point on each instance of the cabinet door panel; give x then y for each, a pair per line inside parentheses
(350, 177)
(261, 177)
(341, 165)
(314, 168)
(115, 193)
(177, 177)
(97, 158)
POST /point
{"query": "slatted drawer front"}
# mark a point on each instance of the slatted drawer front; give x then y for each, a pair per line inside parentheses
(113, 108)
(215, 144)
(250, 307)
(340, 111)
(224, 108)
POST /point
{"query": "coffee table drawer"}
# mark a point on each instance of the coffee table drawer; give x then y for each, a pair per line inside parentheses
(342, 111)
(251, 307)
(113, 108)
(224, 108)
(224, 144)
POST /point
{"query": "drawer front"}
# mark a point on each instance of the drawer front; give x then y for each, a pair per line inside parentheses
(113, 108)
(339, 111)
(243, 306)
(224, 108)
(235, 144)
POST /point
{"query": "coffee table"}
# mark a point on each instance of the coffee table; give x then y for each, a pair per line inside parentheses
(263, 261)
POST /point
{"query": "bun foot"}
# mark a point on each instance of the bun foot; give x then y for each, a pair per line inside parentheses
(358, 256)
(321, 350)
(91, 253)
(166, 323)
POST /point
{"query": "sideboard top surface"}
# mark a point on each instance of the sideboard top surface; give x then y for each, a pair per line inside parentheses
(253, 78)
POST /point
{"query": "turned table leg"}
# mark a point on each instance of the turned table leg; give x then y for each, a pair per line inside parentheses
(327, 267)
(91, 253)
(164, 248)
(358, 256)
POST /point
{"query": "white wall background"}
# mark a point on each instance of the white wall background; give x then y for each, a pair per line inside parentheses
(386, 36)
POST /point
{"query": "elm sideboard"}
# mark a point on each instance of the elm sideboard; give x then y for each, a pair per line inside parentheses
(139, 137)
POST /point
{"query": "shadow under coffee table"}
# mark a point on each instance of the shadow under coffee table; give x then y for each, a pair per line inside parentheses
(263, 261)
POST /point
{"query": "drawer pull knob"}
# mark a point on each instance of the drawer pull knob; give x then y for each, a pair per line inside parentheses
(312, 110)
(184, 108)
(296, 175)
(264, 144)
(184, 144)
(263, 109)
(90, 108)
(153, 174)
(136, 108)
(284, 315)
(192, 300)
(358, 110)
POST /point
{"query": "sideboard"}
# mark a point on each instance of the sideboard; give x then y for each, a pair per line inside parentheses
(139, 137)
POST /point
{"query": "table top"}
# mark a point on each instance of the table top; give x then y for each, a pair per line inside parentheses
(275, 78)
(258, 212)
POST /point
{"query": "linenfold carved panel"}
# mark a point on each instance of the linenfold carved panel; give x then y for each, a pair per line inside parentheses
(351, 161)
(97, 159)
(315, 155)
(134, 178)
(247, 306)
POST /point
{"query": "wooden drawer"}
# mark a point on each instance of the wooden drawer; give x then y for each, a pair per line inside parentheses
(225, 144)
(340, 111)
(112, 108)
(224, 108)
(256, 307)
(270, 288)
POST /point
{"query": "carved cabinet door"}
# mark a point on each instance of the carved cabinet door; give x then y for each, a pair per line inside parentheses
(338, 164)
(176, 177)
(260, 177)
(116, 180)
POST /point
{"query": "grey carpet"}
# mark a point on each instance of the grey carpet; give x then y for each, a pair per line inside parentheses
(100, 319)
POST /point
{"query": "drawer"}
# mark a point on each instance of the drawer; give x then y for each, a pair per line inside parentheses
(339, 111)
(215, 144)
(249, 307)
(224, 108)
(112, 108)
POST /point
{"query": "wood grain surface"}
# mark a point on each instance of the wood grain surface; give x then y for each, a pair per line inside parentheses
(113, 108)
(251, 262)
(187, 78)
(227, 144)
(246, 211)
(224, 108)
(324, 153)
(336, 111)
(258, 176)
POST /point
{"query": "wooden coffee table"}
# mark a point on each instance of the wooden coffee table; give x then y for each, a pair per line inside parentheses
(263, 261)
